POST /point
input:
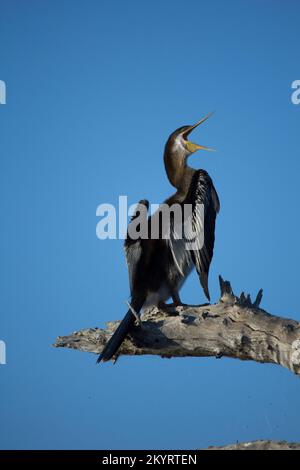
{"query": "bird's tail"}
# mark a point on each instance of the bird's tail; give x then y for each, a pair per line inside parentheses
(121, 332)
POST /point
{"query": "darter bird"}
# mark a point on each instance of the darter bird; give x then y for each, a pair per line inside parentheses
(158, 266)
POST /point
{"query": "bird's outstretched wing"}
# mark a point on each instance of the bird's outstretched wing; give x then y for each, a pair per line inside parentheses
(133, 251)
(132, 246)
(204, 202)
(195, 243)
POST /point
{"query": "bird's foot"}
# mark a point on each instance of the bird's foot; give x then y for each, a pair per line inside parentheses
(170, 309)
(180, 304)
(177, 301)
(164, 306)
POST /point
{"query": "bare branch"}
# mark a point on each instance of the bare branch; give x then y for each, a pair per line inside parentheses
(259, 445)
(233, 327)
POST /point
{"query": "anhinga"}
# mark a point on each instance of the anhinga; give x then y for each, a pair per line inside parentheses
(158, 267)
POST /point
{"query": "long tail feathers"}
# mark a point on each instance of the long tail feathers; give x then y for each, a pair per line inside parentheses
(119, 335)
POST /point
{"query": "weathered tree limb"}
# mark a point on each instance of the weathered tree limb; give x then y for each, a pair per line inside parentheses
(234, 327)
(259, 445)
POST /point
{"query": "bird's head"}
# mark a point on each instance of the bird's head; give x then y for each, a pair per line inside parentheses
(177, 150)
(178, 143)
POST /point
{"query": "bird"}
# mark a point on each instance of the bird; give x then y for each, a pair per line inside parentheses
(159, 266)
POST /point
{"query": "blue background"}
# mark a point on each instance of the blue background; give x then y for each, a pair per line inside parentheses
(94, 89)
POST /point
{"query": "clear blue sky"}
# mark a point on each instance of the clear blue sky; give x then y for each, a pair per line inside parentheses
(94, 89)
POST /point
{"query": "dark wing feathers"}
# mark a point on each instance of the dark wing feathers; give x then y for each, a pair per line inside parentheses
(133, 248)
(200, 252)
(202, 191)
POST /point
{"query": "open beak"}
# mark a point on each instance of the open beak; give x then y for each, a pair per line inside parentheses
(190, 145)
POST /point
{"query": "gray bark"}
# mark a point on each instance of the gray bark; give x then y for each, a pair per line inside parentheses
(234, 327)
(259, 445)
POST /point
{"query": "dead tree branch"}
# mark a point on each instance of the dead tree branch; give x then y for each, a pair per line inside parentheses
(234, 327)
(259, 445)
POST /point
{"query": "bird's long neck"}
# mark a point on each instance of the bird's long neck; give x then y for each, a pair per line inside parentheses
(179, 173)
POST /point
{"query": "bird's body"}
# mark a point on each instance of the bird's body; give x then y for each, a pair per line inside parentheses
(158, 266)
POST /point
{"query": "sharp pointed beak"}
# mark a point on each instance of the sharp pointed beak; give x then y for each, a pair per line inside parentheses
(190, 145)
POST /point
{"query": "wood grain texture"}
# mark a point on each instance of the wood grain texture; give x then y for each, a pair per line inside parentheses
(234, 327)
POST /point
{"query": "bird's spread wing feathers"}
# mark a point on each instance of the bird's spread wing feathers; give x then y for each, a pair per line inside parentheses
(191, 241)
(133, 252)
(204, 199)
(196, 246)
(133, 248)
